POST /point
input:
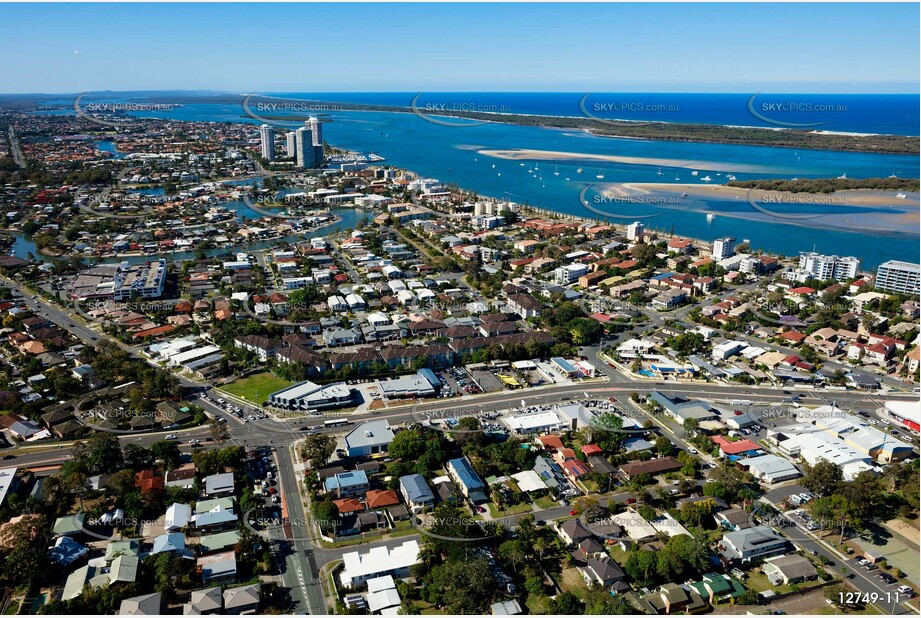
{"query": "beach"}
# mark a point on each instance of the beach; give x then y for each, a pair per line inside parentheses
(521, 154)
(855, 210)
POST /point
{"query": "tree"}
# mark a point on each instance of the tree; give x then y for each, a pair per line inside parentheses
(167, 453)
(823, 478)
(567, 604)
(326, 514)
(318, 449)
(24, 556)
(137, 457)
(102, 453)
(408, 444)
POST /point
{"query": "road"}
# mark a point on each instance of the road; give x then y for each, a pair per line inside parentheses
(16, 148)
(299, 560)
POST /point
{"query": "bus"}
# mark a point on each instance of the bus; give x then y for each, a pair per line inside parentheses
(339, 422)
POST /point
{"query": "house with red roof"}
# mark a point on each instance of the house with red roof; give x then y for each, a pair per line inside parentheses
(793, 336)
(379, 498)
(575, 469)
(550, 443)
(591, 449)
(149, 481)
(737, 447)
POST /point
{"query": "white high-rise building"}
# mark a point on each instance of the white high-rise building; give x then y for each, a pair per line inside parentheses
(723, 248)
(896, 276)
(291, 143)
(267, 136)
(826, 267)
(305, 151)
(635, 231)
(316, 128)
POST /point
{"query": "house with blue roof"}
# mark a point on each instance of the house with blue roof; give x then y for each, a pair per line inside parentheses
(347, 484)
(462, 473)
(416, 491)
(173, 543)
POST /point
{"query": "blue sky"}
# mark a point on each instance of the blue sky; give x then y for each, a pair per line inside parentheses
(871, 47)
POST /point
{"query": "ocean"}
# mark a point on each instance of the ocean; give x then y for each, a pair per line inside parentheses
(452, 152)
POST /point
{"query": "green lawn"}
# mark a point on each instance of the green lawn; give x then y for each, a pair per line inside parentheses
(546, 502)
(256, 388)
(515, 509)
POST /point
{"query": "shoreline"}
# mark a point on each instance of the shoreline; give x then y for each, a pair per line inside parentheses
(521, 154)
(854, 197)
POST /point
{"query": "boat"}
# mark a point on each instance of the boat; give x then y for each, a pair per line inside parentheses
(521, 164)
(843, 176)
(494, 166)
(677, 178)
(659, 173)
(579, 171)
(600, 174)
(901, 196)
(567, 178)
(684, 195)
(730, 177)
(556, 170)
(694, 173)
(706, 179)
(710, 216)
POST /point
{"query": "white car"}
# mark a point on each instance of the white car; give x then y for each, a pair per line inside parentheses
(692, 451)
(194, 441)
(172, 436)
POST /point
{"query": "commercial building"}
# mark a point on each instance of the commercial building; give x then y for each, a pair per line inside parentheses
(267, 142)
(907, 413)
(310, 396)
(770, 468)
(896, 276)
(369, 438)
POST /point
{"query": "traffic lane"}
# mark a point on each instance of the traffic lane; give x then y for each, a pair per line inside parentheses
(305, 575)
(859, 579)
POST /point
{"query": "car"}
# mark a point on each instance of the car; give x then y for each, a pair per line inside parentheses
(573, 512)
(674, 492)
(737, 412)
(9, 456)
(481, 509)
(692, 451)
(903, 589)
(172, 436)
(194, 441)
(631, 500)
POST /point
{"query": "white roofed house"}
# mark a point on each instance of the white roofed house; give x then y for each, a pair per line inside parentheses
(770, 468)
(219, 485)
(753, 543)
(358, 568)
(177, 516)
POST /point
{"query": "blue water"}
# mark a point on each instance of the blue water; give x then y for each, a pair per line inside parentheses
(870, 113)
(450, 154)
